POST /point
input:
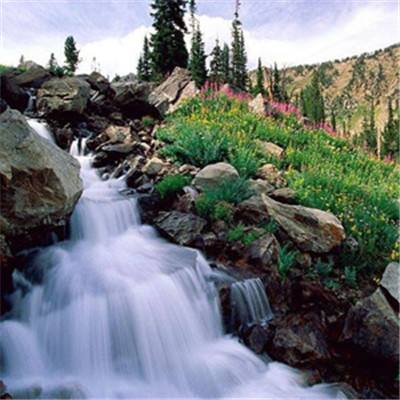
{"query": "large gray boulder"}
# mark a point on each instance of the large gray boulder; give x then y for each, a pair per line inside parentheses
(390, 280)
(213, 174)
(312, 230)
(34, 76)
(168, 93)
(14, 95)
(63, 95)
(40, 183)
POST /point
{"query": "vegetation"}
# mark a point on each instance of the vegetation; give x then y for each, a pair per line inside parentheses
(260, 88)
(171, 184)
(197, 59)
(326, 172)
(239, 57)
(312, 101)
(71, 54)
(286, 260)
(144, 64)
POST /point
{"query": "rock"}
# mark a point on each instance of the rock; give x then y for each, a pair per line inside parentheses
(164, 96)
(99, 83)
(153, 167)
(264, 251)
(148, 205)
(304, 260)
(63, 95)
(188, 92)
(64, 137)
(118, 150)
(310, 229)
(257, 105)
(181, 228)
(373, 326)
(252, 211)
(40, 183)
(212, 174)
(299, 340)
(33, 77)
(259, 186)
(390, 280)
(257, 339)
(284, 195)
(272, 175)
(12, 93)
(3, 105)
(271, 149)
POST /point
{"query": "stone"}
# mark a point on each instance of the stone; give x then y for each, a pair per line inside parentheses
(271, 174)
(164, 96)
(257, 105)
(64, 137)
(213, 174)
(390, 280)
(33, 77)
(310, 229)
(40, 183)
(180, 228)
(98, 82)
(63, 95)
(284, 195)
(271, 149)
(252, 211)
(257, 339)
(188, 92)
(12, 93)
(264, 251)
(373, 326)
(260, 186)
(153, 167)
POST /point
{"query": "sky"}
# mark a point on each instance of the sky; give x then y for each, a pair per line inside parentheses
(288, 32)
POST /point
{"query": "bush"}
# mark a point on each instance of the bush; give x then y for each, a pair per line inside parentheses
(148, 121)
(286, 260)
(171, 184)
(239, 234)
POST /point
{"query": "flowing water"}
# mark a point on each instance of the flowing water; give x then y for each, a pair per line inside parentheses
(120, 313)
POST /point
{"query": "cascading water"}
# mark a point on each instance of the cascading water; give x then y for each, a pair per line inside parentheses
(41, 129)
(121, 313)
(249, 303)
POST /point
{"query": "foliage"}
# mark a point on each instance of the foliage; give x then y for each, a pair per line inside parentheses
(144, 64)
(286, 260)
(197, 59)
(259, 88)
(167, 41)
(239, 233)
(312, 101)
(390, 135)
(71, 54)
(171, 184)
(226, 64)
(277, 90)
(216, 67)
(350, 276)
(239, 57)
(148, 121)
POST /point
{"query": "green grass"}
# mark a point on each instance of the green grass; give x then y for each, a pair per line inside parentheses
(171, 184)
(326, 172)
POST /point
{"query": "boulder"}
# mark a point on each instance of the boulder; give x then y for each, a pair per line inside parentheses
(373, 327)
(284, 195)
(390, 280)
(33, 77)
(168, 93)
(212, 174)
(257, 105)
(260, 186)
(12, 93)
(252, 211)
(180, 228)
(63, 95)
(153, 167)
(271, 174)
(271, 149)
(40, 183)
(264, 251)
(189, 91)
(99, 83)
(310, 229)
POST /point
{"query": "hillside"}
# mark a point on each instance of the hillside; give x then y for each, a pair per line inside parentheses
(349, 84)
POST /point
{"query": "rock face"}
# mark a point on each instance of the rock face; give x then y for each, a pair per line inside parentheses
(63, 95)
(164, 96)
(390, 280)
(34, 76)
(271, 174)
(12, 93)
(264, 251)
(373, 326)
(40, 183)
(312, 230)
(213, 174)
(257, 105)
(180, 227)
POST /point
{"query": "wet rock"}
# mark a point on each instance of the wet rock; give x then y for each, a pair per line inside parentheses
(373, 326)
(258, 339)
(149, 205)
(64, 137)
(271, 149)
(272, 175)
(284, 195)
(310, 229)
(264, 251)
(390, 280)
(63, 95)
(213, 174)
(181, 228)
(40, 183)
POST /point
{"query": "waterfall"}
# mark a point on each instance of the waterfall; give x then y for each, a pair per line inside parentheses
(31, 102)
(249, 303)
(41, 129)
(120, 313)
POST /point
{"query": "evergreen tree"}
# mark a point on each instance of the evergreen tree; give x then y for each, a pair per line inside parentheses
(369, 133)
(333, 119)
(312, 101)
(226, 64)
(239, 57)
(71, 54)
(168, 43)
(216, 64)
(52, 64)
(144, 63)
(277, 91)
(391, 145)
(260, 88)
(197, 60)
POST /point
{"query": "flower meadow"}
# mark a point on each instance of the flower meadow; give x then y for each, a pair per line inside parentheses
(325, 171)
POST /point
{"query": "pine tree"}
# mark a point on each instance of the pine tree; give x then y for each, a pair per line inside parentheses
(333, 119)
(167, 42)
(239, 57)
(226, 64)
(197, 60)
(216, 67)
(71, 54)
(260, 88)
(369, 133)
(390, 136)
(52, 64)
(277, 91)
(312, 101)
(144, 63)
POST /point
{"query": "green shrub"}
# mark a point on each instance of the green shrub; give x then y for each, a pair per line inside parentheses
(223, 211)
(324, 269)
(286, 260)
(236, 233)
(269, 227)
(148, 121)
(350, 276)
(171, 184)
(244, 160)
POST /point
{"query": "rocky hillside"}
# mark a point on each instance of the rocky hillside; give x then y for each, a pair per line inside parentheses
(350, 84)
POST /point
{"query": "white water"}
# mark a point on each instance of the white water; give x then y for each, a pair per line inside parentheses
(249, 303)
(122, 314)
(41, 129)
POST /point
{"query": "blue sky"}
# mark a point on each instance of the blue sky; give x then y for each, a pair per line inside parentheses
(289, 32)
